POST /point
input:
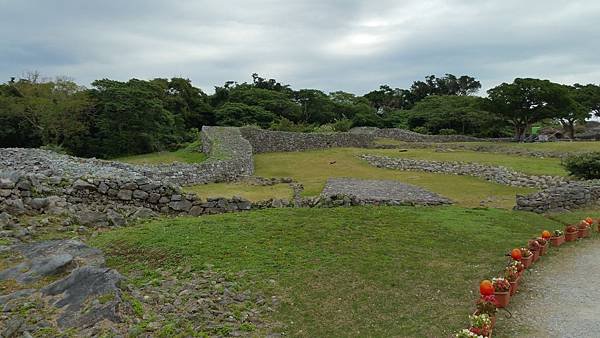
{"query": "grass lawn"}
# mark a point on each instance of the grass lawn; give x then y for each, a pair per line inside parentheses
(362, 271)
(312, 168)
(189, 154)
(248, 191)
(528, 165)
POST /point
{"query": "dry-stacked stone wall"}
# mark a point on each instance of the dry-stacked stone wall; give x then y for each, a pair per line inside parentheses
(493, 174)
(265, 141)
(565, 197)
(411, 136)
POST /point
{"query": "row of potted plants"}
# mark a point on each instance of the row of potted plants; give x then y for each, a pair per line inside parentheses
(496, 293)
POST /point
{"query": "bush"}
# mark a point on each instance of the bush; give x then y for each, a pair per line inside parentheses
(421, 130)
(585, 166)
(342, 125)
(447, 132)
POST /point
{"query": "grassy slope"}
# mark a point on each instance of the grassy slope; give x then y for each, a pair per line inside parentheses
(363, 271)
(312, 168)
(251, 192)
(189, 154)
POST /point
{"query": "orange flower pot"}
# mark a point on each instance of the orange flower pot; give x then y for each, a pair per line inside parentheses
(536, 255)
(514, 286)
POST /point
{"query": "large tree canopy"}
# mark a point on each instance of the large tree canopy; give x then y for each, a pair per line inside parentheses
(453, 114)
(527, 101)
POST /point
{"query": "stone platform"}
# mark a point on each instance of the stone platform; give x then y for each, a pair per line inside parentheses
(382, 192)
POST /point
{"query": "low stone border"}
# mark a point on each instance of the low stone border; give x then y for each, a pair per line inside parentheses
(493, 174)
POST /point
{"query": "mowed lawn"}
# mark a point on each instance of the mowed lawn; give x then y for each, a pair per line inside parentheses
(361, 271)
(189, 154)
(313, 168)
(251, 192)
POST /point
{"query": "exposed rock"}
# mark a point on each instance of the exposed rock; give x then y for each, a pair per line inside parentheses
(36, 268)
(115, 218)
(125, 195)
(81, 286)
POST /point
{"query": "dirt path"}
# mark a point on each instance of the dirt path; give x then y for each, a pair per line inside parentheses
(558, 297)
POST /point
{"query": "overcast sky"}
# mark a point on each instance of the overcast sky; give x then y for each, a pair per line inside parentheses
(330, 45)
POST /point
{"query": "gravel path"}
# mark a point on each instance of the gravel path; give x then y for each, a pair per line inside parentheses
(558, 297)
(382, 191)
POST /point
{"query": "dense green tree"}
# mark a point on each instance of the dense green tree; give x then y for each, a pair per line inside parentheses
(571, 111)
(527, 101)
(316, 106)
(462, 114)
(387, 99)
(186, 102)
(240, 114)
(588, 96)
(37, 112)
(447, 85)
(131, 118)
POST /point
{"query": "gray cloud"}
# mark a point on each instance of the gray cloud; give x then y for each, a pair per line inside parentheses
(330, 45)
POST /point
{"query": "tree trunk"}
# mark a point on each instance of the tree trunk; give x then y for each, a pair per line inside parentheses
(571, 129)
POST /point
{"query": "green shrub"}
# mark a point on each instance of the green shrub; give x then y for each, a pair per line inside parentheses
(342, 125)
(421, 130)
(447, 132)
(586, 166)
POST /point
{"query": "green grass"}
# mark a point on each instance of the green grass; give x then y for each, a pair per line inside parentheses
(189, 154)
(312, 168)
(251, 192)
(362, 271)
(528, 165)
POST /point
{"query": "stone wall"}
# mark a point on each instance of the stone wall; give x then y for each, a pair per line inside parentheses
(265, 141)
(229, 154)
(493, 174)
(411, 136)
(565, 197)
(35, 193)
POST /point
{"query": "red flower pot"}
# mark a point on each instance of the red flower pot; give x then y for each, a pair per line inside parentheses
(557, 241)
(583, 232)
(536, 255)
(527, 261)
(544, 249)
(502, 298)
(571, 236)
(514, 286)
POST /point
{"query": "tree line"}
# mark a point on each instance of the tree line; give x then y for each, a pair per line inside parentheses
(114, 118)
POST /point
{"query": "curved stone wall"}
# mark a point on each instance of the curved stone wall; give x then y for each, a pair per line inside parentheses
(565, 197)
(411, 136)
(499, 175)
(266, 141)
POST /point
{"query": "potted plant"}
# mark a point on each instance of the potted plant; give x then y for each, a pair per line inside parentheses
(558, 238)
(519, 266)
(481, 325)
(511, 274)
(466, 333)
(535, 248)
(501, 291)
(526, 257)
(583, 229)
(571, 233)
(543, 245)
(487, 305)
